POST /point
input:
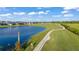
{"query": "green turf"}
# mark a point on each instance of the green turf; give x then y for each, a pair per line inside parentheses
(38, 37)
(74, 25)
(62, 40)
(5, 26)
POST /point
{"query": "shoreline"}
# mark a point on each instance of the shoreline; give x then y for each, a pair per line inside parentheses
(35, 39)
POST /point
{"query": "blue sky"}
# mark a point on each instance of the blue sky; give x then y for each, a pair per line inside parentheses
(39, 13)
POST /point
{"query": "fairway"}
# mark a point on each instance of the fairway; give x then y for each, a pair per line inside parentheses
(62, 40)
(74, 25)
(38, 37)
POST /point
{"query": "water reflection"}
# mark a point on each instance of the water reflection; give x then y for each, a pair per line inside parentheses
(8, 36)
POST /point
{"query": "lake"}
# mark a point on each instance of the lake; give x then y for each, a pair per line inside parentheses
(9, 36)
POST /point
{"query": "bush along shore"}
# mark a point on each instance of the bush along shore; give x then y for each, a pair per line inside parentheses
(74, 30)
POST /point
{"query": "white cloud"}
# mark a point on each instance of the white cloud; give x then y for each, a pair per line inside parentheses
(38, 13)
(56, 15)
(8, 14)
(68, 15)
(68, 8)
(47, 11)
(65, 11)
(32, 13)
(19, 13)
(42, 12)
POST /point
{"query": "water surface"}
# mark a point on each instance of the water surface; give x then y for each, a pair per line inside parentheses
(9, 36)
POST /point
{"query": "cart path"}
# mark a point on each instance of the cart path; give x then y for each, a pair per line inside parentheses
(46, 38)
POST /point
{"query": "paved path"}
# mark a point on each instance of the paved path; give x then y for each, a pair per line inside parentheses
(45, 39)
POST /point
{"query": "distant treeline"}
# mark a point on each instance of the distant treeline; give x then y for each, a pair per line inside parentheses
(74, 30)
(65, 22)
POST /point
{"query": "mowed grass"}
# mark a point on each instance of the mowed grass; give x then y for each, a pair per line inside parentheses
(38, 37)
(62, 40)
(74, 25)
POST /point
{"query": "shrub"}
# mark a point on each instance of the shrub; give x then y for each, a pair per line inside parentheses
(74, 30)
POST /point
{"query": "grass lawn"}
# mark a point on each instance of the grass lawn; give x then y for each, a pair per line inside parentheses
(38, 37)
(62, 40)
(74, 25)
(5, 26)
